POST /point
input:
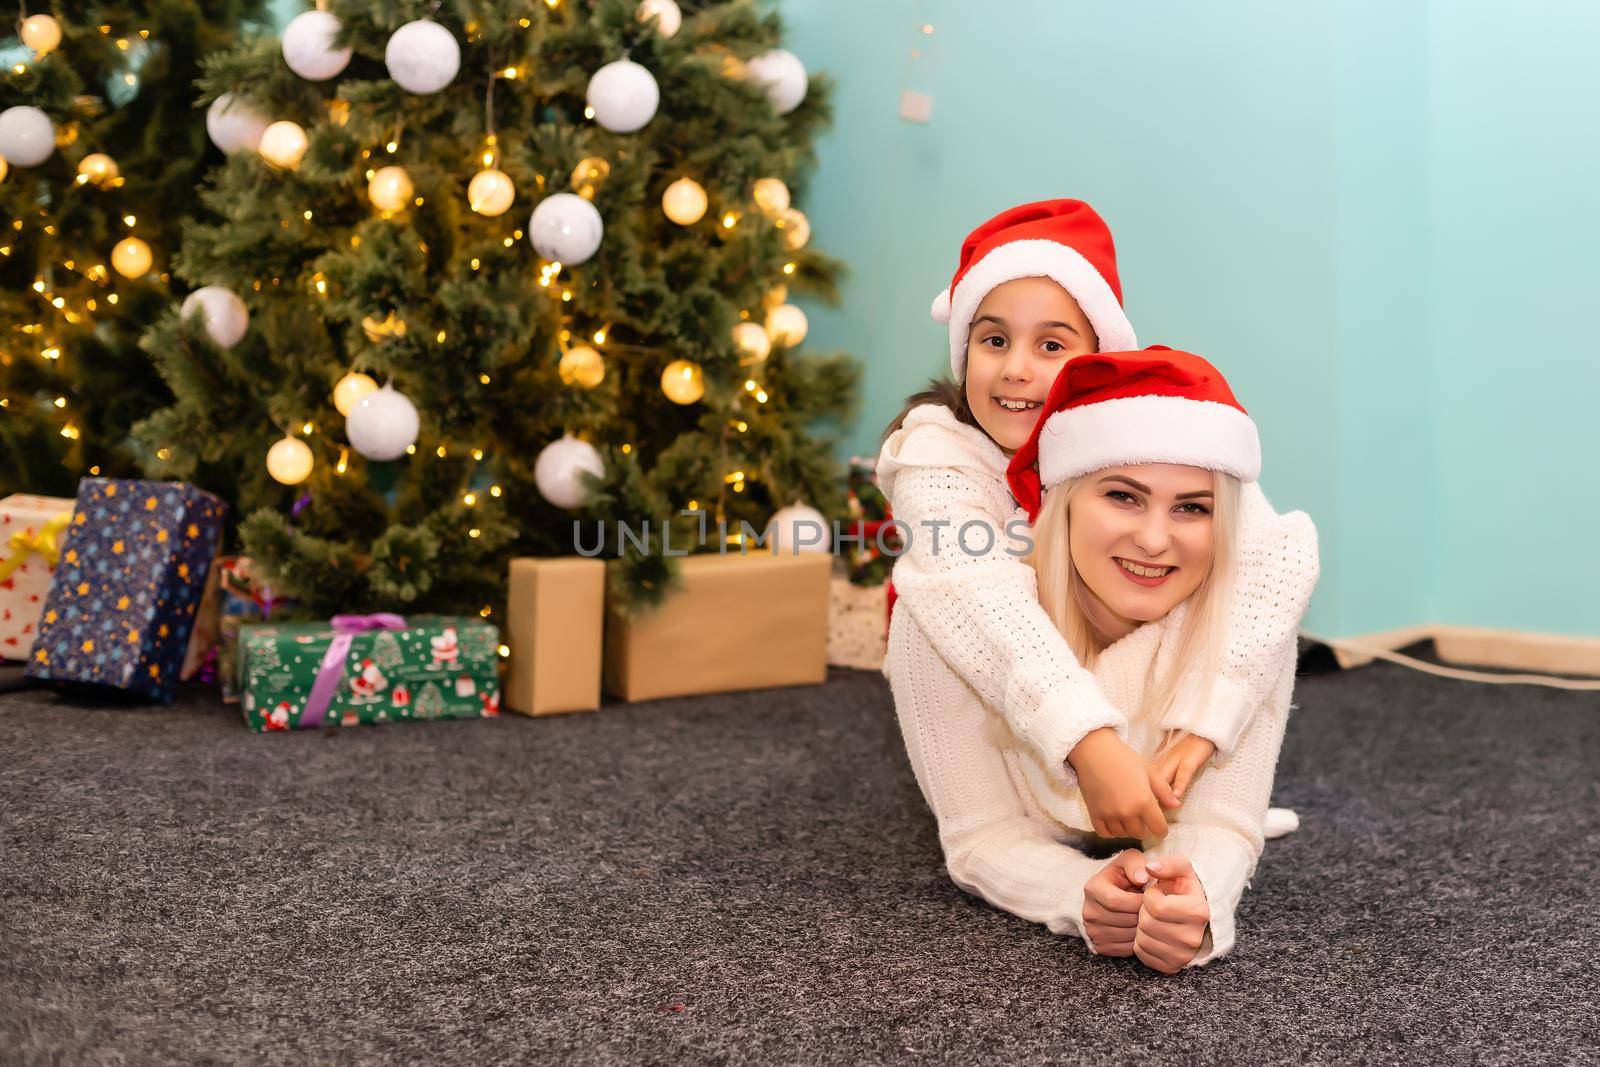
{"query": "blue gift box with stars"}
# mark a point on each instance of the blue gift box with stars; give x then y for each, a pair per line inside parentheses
(132, 569)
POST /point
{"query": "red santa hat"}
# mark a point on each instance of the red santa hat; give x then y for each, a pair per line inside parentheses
(1064, 240)
(1157, 405)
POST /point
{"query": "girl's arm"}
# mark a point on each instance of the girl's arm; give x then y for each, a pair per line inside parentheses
(1277, 572)
(982, 613)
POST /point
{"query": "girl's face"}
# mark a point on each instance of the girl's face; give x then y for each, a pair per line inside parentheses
(1021, 334)
(1141, 540)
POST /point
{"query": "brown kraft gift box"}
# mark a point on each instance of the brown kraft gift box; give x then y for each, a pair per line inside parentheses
(735, 622)
(554, 626)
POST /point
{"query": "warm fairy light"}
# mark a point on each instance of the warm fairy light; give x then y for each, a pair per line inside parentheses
(306, 215)
(439, 452)
(61, 401)
(70, 432)
(730, 220)
(477, 455)
(588, 112)
(788, 268)
(52, 352)
(505, 650)
(308, 429)
(411, 450)
(344, 460)
(484, 611)
(483, 379)
(129, 219)
(470, 499)
(742, 425)
(626, 449)
(600, 337)
(391, 147)
(476, 263)
(474, 532)
(494, 490)
(509, 72)
(439, 337)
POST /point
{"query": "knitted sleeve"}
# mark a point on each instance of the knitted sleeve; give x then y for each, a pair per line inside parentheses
(1276, 574)
(980, 610)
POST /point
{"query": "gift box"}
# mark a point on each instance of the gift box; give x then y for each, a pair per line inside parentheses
(737, 621)
(244, 600)
(31, 531)
(367, 668)
(555, 626)
(132, 569)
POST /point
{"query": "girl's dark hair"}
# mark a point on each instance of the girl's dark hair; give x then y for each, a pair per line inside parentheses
(941, 391)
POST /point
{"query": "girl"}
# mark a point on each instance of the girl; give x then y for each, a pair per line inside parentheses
(972, 647)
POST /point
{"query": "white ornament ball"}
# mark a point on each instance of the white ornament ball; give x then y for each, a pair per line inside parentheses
(624, 96)
(752, 340)
(383, 424)
(26, 136)
(798, 528)
(390, 188)
(42, 33)
(787, 325)
(351, 388)
(684, 202)
(782, 75)
(796, 228)
(233, 125)
(771, 196)
(284, 144)
(559, 470)
(221, 311)
(308, 46)
(565, 227)
(422, 56)
(668, 16)
(491, 192)
(289, 461)
(131, 258)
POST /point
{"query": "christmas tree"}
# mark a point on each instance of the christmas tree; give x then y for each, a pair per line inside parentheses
(428, 380)
(100, 152)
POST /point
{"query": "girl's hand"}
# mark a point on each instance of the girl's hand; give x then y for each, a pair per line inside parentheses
(1173, 915)
(1116, 787)
(1111, 904)
(1173, 770)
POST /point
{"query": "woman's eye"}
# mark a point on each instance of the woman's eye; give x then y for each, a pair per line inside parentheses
(1121, 496)
(1194, 509)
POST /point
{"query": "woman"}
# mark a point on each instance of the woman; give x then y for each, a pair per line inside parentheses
(1131, 478)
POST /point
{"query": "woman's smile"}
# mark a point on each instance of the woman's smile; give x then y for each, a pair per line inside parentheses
(1143, 573)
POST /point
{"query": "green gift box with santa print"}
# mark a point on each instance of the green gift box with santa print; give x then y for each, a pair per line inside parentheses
(368, 668)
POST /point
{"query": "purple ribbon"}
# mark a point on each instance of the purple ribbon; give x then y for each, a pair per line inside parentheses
(345, 628)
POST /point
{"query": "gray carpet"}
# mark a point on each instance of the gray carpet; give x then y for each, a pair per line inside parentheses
(755, 878)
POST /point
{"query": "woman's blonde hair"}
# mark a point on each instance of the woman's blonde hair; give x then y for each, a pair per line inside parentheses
(1201, 641)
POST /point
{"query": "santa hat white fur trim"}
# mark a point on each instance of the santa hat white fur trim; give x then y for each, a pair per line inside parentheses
(1036, 258)
(941, 307)
(1148, 429)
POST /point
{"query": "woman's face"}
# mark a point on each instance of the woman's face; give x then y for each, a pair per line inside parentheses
(1141, 539)
(1021, 334)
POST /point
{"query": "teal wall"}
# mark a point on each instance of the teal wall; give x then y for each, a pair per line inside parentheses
(1378, 217)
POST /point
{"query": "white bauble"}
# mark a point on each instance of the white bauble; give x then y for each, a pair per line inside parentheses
(26, 136)
(565, 227)
(422, 56)
(796, 228)
(383, 424)
(799, 528)
(787, 325)
(624, 96)
(667, 14)
(771, 196)
(233, 125)
(308, 46)
(289, 461)
(751, 339)
(222, 312)
(559, 470)
(782, 75)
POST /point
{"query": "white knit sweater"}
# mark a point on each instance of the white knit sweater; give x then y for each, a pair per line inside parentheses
(991, 699)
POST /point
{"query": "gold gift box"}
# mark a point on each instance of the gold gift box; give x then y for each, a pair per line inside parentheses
(554, 624)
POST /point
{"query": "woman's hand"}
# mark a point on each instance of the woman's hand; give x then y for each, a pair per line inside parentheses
(1173, 770)
(1117, 787)
(1173, 915)
(1111, 904)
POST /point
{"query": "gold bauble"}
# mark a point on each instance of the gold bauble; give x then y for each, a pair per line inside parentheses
(588, 174)
(390, 189)
(582, 366)
(41, 33)
(289, 461)
(351, 388)
(751, 339)
(682, 381)
(391, 325)
(5, 168)
(796, 228)
(684, 202)
(787, 325)
(131, 258)
(491, 192)
(283, 144)
(772, 196)
(98, 168)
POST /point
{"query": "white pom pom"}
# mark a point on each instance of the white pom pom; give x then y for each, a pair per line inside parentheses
(1280, 821)
(941, 308)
